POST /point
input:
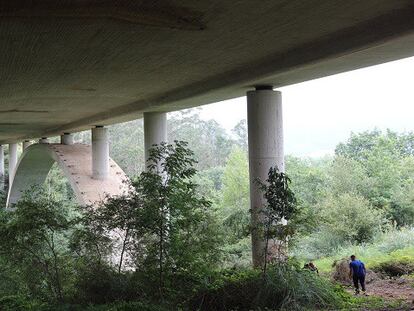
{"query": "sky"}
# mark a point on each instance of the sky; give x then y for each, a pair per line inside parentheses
(320, 113)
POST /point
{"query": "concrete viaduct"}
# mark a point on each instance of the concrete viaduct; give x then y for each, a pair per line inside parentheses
(67, 66)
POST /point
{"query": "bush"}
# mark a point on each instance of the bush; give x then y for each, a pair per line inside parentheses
(395, 268)
(346, 220)
(396, 263)
(19, 303)
(286, 287)
(393, 240)
(371, 254)
(351, 217)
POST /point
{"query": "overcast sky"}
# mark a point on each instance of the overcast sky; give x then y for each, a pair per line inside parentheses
(320, 113)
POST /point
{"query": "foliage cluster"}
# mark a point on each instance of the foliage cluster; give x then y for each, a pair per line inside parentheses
(155, 248)
(170, 242)
(157, 243)
(364, 190)
(278, 215)
(350, 198)
(370, 178)
(286, 287)
(393, 246)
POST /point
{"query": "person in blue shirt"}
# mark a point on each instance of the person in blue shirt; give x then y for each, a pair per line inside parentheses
(357, 272)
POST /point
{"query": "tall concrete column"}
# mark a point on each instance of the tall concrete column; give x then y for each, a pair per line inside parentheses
(155, 130)
(265, 137)
(66, 139)
(12, 161)
(44, 140)
(100, 153)
(1, 167)
(25, 144)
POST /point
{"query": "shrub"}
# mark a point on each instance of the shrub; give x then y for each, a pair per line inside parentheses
(19, 303)
(395, 268)
(351, 217)
(285, 287)
(393, 240)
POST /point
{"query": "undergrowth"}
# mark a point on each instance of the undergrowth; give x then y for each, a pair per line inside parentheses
(373, 259)
(285, 287)
(392, 245)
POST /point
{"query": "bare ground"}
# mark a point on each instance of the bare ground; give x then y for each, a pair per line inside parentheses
(398, 291)
(392, 289)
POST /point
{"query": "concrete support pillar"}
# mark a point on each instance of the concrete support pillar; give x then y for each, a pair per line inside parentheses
(1, 167)
(12, 161)
(66, 139)
(155, 130)
(265, 137)
(43, 140)
(25, 144)
(100, 153)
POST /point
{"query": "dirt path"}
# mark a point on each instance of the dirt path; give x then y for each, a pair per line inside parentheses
(379, 285)
(399, 288)
(392, 289)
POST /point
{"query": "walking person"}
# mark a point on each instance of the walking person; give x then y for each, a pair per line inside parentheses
(357, 273)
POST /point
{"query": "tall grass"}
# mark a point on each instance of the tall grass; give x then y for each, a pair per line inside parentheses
(392, 246)
(286, 287)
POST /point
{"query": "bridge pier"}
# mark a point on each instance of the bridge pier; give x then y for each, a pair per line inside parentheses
(155, 130)
(1, 167)
(100, 153)
(25, 144)
(12, 160)
(66, 139)
(265, 137)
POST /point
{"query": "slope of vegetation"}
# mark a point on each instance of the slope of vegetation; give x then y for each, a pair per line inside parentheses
(182, 241)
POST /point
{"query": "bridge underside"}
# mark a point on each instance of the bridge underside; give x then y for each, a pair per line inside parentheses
(75, 161)
(68, 65)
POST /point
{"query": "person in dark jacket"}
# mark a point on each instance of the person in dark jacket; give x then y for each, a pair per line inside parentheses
(357, 272)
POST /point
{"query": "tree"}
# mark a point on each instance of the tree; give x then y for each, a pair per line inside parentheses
(240, 131)
(346, 175)
(279, 210)
(350, 218)
(127, 146)
(235, 196)
(358, 145)
(208, 140)
(382, 165)
(32, 239)
(402, 206)
(178, 223)
(309, 178)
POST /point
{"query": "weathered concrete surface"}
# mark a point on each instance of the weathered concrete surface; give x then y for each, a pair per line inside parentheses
(75, 162)
(67, 139)
(26, 144)
(2, 167)
(100, 153)
(155, 130)
(265, 135)
(12, 160)
(69, 65)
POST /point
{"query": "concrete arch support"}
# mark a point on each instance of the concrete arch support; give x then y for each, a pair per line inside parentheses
(12, 161)
(26, 144)
(74, 160)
